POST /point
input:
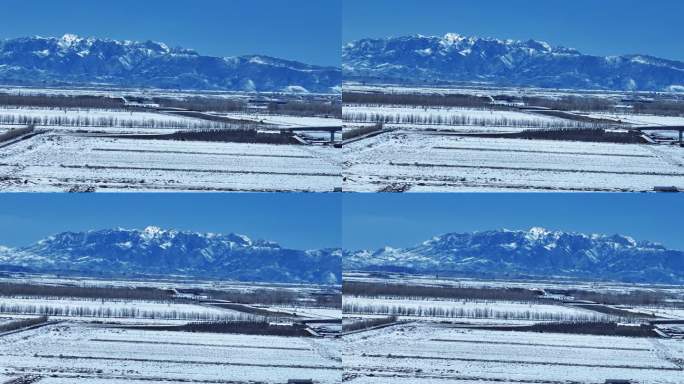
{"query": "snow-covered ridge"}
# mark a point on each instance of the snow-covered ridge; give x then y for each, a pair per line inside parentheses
(459, 58)
(157, 251)
(534, 252)
(72, 59)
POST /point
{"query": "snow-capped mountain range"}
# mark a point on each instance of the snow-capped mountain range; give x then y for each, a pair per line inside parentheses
(157, 252)
(73, 60)
(534, 253)
(456, 58)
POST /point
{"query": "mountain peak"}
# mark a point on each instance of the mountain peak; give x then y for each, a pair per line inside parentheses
(537, 232)
(70, 38)
(453, 37)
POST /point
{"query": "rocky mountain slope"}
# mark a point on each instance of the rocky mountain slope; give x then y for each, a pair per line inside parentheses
(456, 58)
(537, 252)
(157, 252)
(73, 60)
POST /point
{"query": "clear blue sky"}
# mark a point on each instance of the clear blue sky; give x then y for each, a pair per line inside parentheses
(400, 220)
(602, 27)
(304, 30)
(295, 220)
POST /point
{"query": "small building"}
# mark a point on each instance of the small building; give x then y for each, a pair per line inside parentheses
(300, 381)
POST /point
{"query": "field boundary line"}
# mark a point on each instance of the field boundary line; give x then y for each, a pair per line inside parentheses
(538, 344)
(198, 344)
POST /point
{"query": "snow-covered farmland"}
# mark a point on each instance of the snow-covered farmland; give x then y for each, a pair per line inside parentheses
(451, 118)
(640, 119)
(671, 313)
(429, 353)
(57, 162)
(77, 353)
(286, 120)
(413, 161)
(321, 313)
(465, 309)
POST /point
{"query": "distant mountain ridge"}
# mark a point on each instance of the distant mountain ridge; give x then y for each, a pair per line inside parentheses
(157, 252)
(534, 253)
(457, 58)
(73, 60)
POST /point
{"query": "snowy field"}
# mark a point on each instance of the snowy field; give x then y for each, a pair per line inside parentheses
(430, 162)
(285, 120)
(76, 353)
(58, 162)
(647, 120)
(451, 118)
(314, 312)
(670, 313)
(425, 353)
(406, 308)
(639, 119)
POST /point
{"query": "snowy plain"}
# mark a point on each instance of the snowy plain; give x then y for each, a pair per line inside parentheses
(429, 353)
(77, 353)
(436, 162)
(55, 162)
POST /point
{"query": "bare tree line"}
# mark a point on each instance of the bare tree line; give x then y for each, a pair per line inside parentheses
(637, 297)
(61, 101)
(203, 104)
(460, 312)
(360, 131)
(31, 290)
(124, 312)
(461, 120)
(455, 100)
(370, 289)
(108, 121)
(277, 296)
(247, 327)
(295, 108)
(306, 108)
(609, 328)
(571, 103)
(349, 325)
(660, 107)
(234, 136)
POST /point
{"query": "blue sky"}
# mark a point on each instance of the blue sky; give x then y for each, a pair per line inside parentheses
(375, 220)
(602, 27)
(295, 220)
(304, 30)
